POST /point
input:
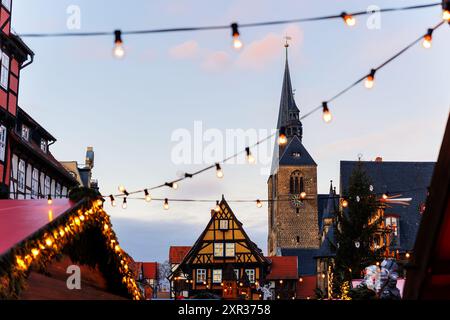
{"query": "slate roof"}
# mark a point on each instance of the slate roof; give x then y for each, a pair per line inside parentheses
(326, 249)
(287, 102)
(283, 268)
(410, 179)
(295, 145)
(306, 262)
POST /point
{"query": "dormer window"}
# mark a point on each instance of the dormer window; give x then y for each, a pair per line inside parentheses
(44, 145)
(25, 132)
(296, 154)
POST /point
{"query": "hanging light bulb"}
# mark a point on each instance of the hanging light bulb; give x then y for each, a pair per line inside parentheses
(348, 19)
(282, 139)
(259, 203)
(250, 157)
(217, 208)
(237, 43)
(166, 204)
(49, 199)
(446, 10)
(148, 197)
(370, 79)
(124, 203)
(344, 203)
(113, 201)
(118, 51)
(327, 117)
(426, 43)
(303, 195)
(219, 172)
(385, 196)
(172, 185)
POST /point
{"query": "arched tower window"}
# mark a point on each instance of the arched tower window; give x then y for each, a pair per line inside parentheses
(296, 185)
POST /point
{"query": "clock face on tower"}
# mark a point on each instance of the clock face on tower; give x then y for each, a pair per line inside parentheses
(297, 201)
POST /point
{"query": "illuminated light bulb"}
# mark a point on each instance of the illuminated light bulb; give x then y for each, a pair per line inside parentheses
(148, 197)
(250, 157)
(323, 275)
(327, 117)
(99, 202)
(124, 203)
(281, 281)
(426, 43)
(344, 203)
(217, 208)
(259, 203)
(118, 50)
(77, 221)
(35, 252)
(121, 189)
(446, 15)
(301, 279)
(377, 263)
(49, 199)
(113, 201)
(407, 255)
(48, 242)
(61, 232)
(175, 185)
(237, 43)
(117, 248)
(370, 79)
(348, 19)
(106, 227)
(385, 196)
(282, 139)
(219, 172)
(166, 204)
(303, 195)
(82, 218)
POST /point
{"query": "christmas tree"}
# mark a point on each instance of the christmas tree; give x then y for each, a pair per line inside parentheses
(357, 228)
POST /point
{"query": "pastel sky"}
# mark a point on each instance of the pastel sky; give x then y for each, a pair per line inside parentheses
(128, 110)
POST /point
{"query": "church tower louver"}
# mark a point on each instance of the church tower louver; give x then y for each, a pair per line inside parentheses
(292, 184)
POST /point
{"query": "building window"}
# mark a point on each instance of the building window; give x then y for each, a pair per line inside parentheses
(217, 275)
(296, 154)
(201, 275)
(25, 132)
(21, 176)
(223, 224)
(58, 191)
(47, 186)
(7, 4)
(4, 72)
(44, 145)
(296, 185)
(34, 183)
(392, 222)
(218, 249)
(2, 143)
(236, 273)
(230, 249)
(298, 239)
(251, 275)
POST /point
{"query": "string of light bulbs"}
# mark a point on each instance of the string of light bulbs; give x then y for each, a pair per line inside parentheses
(348, 18)
(282, 138)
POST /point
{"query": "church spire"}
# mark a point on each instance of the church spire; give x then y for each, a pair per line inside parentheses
(288, 115)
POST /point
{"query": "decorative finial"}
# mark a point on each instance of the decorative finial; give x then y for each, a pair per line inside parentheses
(286, 44)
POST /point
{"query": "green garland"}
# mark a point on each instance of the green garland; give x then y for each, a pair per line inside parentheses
(84, 234)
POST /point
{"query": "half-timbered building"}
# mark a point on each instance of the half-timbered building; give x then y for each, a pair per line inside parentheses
(223, 261)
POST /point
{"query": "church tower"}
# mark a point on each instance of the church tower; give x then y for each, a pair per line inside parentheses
(292, 185)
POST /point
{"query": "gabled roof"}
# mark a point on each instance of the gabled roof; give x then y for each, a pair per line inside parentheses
(306, 262)
(150, 270)
(410, 179)
(283, 268)
(296, 146)
(257, 252)
(177, 253)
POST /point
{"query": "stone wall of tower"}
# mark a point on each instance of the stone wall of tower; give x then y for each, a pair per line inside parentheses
(290, 224)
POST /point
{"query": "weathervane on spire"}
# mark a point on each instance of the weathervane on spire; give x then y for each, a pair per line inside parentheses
(287, 38)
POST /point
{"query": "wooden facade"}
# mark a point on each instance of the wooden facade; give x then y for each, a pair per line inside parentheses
(223, 261)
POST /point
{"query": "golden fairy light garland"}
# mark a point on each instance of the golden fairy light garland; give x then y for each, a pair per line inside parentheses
(52, 242)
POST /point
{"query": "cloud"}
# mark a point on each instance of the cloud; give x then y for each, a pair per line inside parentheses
(216, 61)
(259, 53)
(185, 50)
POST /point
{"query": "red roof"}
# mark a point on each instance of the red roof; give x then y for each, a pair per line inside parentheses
(177, 253)
(21, 218)
(283, 268)
(150, 270)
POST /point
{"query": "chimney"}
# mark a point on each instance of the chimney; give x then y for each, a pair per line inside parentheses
(378, 159)
(89, 158)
